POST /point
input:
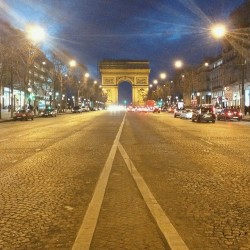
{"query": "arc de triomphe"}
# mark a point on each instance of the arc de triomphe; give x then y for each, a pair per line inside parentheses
(114, 72)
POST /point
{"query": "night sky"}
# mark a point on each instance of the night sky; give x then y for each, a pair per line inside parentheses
(160, 31)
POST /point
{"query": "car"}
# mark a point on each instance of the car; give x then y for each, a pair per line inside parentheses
(156, 109)
(23, 114)
(229, 114)
(77, 109)
(186, 114)
(49, 112)
(171, 109)
(85, 109)
(204, 114)
(177, 112)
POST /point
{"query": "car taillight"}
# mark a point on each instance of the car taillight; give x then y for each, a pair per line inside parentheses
(240, 113)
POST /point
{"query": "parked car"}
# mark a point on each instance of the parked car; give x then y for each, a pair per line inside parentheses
(177, 112)
(171, 109)
(24, 114)
(48, 112)
(186, 114)
(85, 109)
(77, 109)
(229, 114)
(156, 109)
(205, 114)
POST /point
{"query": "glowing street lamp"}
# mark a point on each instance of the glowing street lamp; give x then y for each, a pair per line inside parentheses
(178, 64)
(35, 33)
(219, 31)
(163, 76)
(72, 63)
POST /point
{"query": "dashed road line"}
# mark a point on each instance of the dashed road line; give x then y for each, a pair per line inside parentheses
(172, 237)
(208, 142)
(3, 140)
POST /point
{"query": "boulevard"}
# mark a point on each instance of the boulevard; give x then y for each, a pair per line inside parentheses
(197, 173)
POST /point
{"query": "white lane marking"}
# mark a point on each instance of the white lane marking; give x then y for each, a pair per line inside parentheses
(208, 142)
(3, 140)
(171, 235)
(85, 234)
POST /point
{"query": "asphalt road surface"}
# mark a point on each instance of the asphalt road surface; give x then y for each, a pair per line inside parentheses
(115, 180)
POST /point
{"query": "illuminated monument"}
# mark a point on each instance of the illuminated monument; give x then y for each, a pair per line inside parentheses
(114, 72)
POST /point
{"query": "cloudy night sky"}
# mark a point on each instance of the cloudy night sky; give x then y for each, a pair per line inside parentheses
(159, 31)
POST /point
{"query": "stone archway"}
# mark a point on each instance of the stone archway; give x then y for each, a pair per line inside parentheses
(114, 72)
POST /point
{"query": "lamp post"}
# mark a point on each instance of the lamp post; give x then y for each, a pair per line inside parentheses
(35, 34)
(220, 31)
(29, 97)
(50, 98)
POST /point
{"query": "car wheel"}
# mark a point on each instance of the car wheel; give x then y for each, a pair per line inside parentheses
(198, 119)
(213, 121)
(218, 118)
(32, 118)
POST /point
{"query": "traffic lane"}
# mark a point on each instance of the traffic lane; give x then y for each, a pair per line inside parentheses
(124, 221)
(12, 128)
(20, 139)
(44, 196)
(200, 186)
(230, 136)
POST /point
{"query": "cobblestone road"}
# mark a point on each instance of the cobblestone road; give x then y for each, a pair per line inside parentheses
(198, 173)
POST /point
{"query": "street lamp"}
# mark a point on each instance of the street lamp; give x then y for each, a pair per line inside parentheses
(163, 76)
(178, 64)
(220, 31)
(72, 63)
(35, 34)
